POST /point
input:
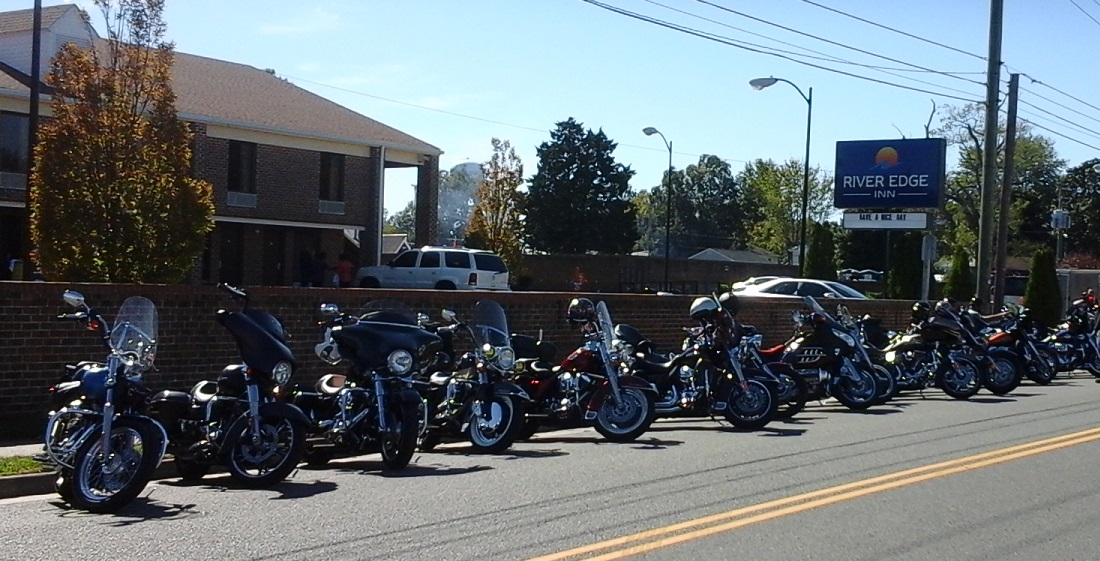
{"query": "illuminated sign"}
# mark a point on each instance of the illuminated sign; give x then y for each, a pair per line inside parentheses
(890, 174)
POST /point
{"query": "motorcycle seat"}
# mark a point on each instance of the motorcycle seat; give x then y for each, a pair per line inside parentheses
(330, 384)
(440, 378)
(204, 391)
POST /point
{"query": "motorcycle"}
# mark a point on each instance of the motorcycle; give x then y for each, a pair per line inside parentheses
(470, 397)
(1073, 345)
(588, 387)
(238, 420)
(100, 443)
(373, 407)
(707, 376)
(794, 391)
(1013, 349)
(936, 351)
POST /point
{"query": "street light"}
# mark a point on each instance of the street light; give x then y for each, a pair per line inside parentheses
(650, 131)
(759, 84)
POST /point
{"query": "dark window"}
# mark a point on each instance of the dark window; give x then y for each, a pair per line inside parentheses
(811, 289)
(782, 288)
(332, 177)
(430, 260)
(406, 259)
(242, 166)
(14, 129)
(457, 260)
(490, 262)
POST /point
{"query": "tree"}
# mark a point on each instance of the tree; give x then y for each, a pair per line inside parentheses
(1081, 197)
(903, 280)
(457, 197)
(496, 223)
(1043, 294)
(772, 195)
(111, 195)
(579, 199)
(960, 283)
(402, 221)
(821, 253)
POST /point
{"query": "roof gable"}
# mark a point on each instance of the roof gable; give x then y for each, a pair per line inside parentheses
(23, 20)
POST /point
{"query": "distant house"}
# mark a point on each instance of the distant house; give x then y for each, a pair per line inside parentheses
(392, 244)
(293, 173)
(751, 255)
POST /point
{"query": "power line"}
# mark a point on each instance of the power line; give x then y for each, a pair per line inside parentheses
(702, 35)
(1036, 81)
(1062, 105)
(826, 57)
(482, 119)
(1070, 138)
(905, 33)
(1079, 128)
(836, 43)
(1084, 12)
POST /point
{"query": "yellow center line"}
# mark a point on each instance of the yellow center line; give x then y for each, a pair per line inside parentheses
(817, 498)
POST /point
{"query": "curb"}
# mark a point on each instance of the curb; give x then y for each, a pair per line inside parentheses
(12, 486)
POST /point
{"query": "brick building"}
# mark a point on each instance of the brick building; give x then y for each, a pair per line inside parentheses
(292, 171)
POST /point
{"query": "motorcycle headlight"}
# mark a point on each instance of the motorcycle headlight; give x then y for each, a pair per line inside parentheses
(488, 350)
(506, 358)
(400, 362)
(890, 356)
(844, 337)
(281, 373)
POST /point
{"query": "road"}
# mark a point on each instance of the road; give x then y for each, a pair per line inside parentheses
(924, 478)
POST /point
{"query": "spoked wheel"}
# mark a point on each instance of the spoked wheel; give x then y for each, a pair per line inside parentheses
(273, 455)
(495, 432)
(860, 393)
(961, 378)
(794, 392)
(752, 407)
(628, 421)
(399, 442)
(106, 480)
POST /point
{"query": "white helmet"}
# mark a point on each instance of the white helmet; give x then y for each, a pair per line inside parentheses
(702, 307)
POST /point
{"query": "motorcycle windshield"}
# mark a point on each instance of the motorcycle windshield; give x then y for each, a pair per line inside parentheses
(489, 325)
(603, 318)
(813, 305)
(135, 330)
(388, 311)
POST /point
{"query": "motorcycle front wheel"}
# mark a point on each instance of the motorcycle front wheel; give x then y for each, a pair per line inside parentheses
(104, 481)
(496, 433)
(752, 408)
(961, 378)
(628, 421)
(860, 393)
(399, 444)
(276, 452)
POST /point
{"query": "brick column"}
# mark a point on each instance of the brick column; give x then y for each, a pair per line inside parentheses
(427, 201)
(370, 237)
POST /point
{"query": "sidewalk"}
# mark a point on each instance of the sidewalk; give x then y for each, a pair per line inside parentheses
(20, 450)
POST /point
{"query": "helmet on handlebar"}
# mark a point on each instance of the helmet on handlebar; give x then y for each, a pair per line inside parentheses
(703, 306)
(580, 310)
(730, 303)
(920, 312)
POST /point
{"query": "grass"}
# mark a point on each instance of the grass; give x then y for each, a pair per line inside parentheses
(18, 465)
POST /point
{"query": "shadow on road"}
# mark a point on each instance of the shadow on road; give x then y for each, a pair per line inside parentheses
(602, 440)
(509, 454)
(142, 509)
(288, 488)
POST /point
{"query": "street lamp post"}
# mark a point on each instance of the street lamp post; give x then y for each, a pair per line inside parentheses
(759, 84)
(650, 131)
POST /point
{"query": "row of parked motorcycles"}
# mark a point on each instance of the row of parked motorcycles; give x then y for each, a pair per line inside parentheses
(409, 382)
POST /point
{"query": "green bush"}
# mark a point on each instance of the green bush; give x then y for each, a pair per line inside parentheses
(960, 283)
(1043, 295)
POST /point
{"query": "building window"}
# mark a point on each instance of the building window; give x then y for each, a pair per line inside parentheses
(242, 166)
(332, 177)
(14, 128)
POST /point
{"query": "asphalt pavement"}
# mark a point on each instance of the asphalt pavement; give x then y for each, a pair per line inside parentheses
(1014, 480)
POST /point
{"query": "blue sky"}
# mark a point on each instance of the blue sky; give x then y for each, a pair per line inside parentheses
(531, 63)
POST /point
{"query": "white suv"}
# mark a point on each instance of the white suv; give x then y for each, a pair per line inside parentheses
(443, 268)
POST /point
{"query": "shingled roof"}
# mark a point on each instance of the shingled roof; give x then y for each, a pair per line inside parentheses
(238, 95)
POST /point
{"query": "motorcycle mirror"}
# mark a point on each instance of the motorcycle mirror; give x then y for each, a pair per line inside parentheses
(830, 295)
(330, 309)
(74, 299)
(448, 315)
(422, 317)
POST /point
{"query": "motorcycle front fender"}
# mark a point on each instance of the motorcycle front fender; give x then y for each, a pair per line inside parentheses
(158, 428)
(604, 392)
(405, 396)
(510, 389)
(269, 409)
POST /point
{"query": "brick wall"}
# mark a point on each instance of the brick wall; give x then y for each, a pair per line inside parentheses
(194, 347)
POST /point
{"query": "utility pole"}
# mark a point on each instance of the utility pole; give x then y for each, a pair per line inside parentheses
(32, 136)
(1007, 181)
(989, 158)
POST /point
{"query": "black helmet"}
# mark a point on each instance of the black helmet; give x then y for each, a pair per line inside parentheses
(702, 307)
(977, 304)
(730, 303)
(580, 310)
(920, 311)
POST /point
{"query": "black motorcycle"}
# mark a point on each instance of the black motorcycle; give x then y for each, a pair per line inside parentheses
(469, 396)
(937, 351)
(101, 444)
(237, 421)
(1073, 345)
(373, 407)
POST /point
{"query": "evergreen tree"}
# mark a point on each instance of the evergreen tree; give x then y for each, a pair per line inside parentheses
(903, 280)
(820, 253)
(579, 199)
(1044, 295)
(960, 283)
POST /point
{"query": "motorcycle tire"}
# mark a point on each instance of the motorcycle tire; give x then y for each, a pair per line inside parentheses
(397, 450)
(638, 409)
(760, 396)
(858, 399)
(500, 438)
(140, 462)
(242, 459)
(190, 470)
(61, 485)
(530, 427)
(887, 382)
(796, 401)
(958, 391)
(1008, 375)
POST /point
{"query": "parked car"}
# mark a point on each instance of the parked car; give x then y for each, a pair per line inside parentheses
(441, 268)
(797, 288)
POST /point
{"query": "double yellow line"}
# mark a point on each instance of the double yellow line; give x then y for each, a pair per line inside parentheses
(650, 540)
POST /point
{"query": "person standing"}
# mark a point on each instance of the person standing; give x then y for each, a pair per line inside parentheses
(345, 271)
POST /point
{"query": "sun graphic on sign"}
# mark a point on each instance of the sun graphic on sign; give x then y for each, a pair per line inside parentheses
(886, 157)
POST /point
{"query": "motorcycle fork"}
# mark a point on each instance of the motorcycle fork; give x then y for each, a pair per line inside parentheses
(484, 395)
(109, 409)
(380, 398)
(254, 409)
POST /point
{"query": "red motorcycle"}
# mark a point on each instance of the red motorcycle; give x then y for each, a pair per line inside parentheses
(587, 388)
